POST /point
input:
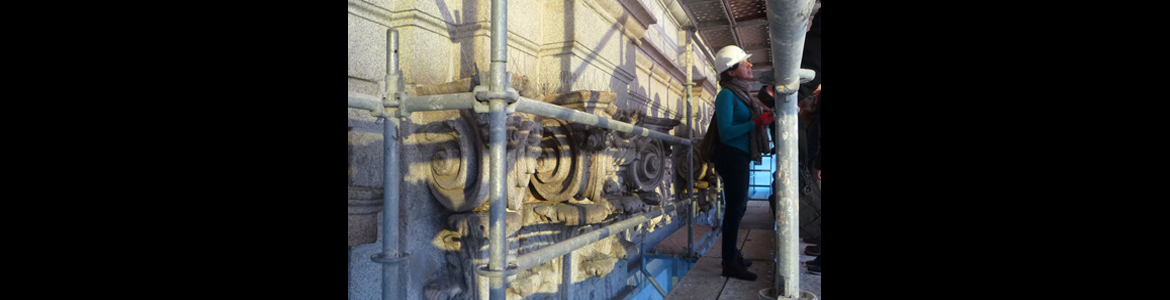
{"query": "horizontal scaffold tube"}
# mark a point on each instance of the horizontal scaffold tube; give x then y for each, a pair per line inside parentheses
(535, 258)
(526, 105)
(367, 102)
(568, 114)
(438, 102)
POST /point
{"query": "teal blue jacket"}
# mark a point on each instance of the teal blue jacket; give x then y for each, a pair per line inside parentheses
(734, 120)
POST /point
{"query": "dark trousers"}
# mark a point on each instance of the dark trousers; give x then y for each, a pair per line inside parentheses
(733, 166)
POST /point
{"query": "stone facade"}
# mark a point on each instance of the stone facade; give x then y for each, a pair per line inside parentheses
(617, 59)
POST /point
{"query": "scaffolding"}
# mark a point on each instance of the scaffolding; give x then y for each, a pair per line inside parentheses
(498, 100)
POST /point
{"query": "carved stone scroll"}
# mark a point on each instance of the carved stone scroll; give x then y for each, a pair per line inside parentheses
(560, 166)
(648, 167)
(458, 175)
(700, 168)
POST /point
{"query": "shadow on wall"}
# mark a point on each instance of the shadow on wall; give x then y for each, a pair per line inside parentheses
(625, 63)
(467, 45)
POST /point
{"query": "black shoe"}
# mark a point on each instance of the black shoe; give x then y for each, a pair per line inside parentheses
(738, 271)
(814, 266)
(814, 269)
(743, 262)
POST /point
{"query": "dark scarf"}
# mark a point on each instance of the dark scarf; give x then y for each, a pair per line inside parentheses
(758, 137)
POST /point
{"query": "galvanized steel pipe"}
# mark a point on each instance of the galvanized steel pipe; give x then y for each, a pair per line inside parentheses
(367, 102)
(498, 194)
(787, 22)
(498, 245)
(525, 105)
(535, 258)
(438, 102)
(568, 114)
(391, 178)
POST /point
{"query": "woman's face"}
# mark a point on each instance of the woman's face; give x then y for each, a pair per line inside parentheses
(744, 71)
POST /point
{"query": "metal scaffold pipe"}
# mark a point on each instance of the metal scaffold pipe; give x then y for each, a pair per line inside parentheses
(568, 114)
(550, 252)
(367, 102)
(498, 245)
(438, 102)
(787, 24)
(391, 258)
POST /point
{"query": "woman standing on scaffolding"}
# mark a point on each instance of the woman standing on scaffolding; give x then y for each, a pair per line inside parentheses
(741, 128)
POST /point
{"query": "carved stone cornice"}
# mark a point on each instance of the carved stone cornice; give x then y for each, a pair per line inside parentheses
(639, 11)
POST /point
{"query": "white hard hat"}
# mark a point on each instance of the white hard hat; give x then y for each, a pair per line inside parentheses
(729, 56)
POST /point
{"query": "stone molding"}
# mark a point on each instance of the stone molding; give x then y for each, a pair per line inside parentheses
(638, 10)
(435, 24)
(583, 52)
(611, 11)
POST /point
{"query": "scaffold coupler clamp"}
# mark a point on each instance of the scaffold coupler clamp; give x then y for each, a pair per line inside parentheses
(390, 259)
(483, 270)
(483, 94)
(793, 85)
(395, 94)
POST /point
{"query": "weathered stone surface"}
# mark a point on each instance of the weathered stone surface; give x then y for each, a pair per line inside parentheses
(365, 159)
(364, 206)
(367, 49)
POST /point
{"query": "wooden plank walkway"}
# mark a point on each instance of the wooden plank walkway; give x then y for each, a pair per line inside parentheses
(756, 240)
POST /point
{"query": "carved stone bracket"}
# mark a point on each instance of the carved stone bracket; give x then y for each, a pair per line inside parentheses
(540, 278)
(475, 225)
(568, 213)
(628, 204)
(599, 258)
(524, 150)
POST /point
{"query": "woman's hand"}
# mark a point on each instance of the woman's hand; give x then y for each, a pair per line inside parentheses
(764, 119)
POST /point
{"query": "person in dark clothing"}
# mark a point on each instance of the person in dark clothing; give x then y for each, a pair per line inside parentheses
(815, 265)
(812, 61)
(811, 91)
(740, 122)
